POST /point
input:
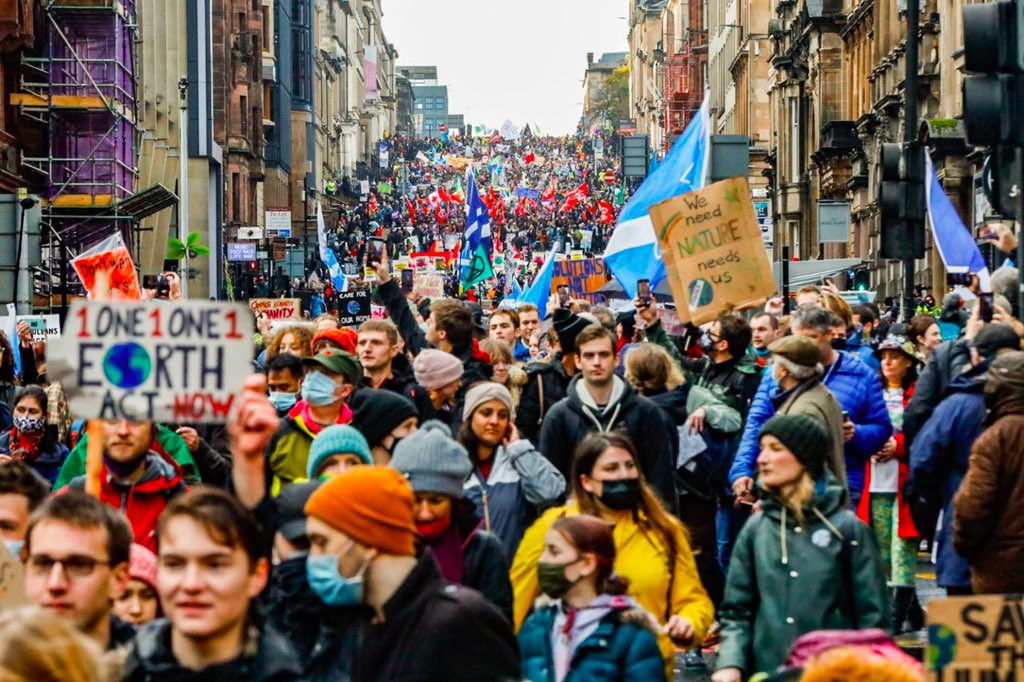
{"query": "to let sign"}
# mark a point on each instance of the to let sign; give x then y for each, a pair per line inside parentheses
(181, 362)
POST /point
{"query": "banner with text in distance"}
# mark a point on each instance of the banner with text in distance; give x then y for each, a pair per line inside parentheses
(713, 251)
(276, 308)
(180, 362)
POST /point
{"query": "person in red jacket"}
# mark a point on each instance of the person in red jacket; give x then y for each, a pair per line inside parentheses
(882, 505)
(138, 477)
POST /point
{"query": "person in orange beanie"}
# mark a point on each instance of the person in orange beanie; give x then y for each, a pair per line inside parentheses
(342, 339)
(361, 531)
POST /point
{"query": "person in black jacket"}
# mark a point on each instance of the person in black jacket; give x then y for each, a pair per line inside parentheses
(601, 401)
(211, 568)
(362, 551)
(437, 467)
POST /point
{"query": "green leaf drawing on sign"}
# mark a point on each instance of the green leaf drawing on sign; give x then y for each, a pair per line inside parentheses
(732, 196)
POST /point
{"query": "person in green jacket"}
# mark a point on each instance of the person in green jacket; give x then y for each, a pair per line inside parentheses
(804, 563)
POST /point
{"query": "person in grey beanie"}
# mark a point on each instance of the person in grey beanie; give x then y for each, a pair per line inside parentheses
(511, 480)
(437, 467)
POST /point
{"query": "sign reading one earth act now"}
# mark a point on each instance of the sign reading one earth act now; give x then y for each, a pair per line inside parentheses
(177, 362)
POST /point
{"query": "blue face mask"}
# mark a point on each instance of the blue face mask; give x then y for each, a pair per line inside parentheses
(329, 585)
(14, 547)
(318, 390)
(283, 401)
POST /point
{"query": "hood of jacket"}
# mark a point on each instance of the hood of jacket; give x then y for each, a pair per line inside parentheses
(162, 474)
(829, 498)
(673, 402)
(582, 402)
(1004, 387)
(970, 381)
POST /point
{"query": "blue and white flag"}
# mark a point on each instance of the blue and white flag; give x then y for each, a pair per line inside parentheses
(475, 259)
(327, 255)
(633, 252)
(540, 290)
(956, 245)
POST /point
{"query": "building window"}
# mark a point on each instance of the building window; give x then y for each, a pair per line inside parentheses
(236, 198)
(243, 113)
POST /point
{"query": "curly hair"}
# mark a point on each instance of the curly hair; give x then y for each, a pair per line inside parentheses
(302, 332)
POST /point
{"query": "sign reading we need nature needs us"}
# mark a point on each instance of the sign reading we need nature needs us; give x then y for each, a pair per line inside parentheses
(180, 362)
(976, 639)
(714, 255)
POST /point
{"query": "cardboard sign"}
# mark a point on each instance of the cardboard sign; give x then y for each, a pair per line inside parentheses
(12, 581)
(110, 256)
(429, 286)
(154, 361)
(44, 327)
(378, 312)
(353, 308)
(276, 308)
(713, 251)
(976, 638)
(583, 277)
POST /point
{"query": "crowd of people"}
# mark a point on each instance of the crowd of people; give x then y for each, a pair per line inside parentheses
(567, 494)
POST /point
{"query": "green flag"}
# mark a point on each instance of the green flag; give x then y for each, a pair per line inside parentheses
(621, 199)
(479, 269)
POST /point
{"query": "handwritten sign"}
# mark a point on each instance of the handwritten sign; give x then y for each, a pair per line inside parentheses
(276, 308)
(353, 308)
(153, 361)
(713, 251)
(378, 312)
(583, 277)
(976, 638)
(44, 327)
(110, 256)
(429, 285)
(12, 581)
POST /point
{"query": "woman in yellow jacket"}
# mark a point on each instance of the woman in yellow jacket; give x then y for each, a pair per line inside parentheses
(652, 550)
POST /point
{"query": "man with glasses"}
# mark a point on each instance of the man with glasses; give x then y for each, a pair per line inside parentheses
(76, 562)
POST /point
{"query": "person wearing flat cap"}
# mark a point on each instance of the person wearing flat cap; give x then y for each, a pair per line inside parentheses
(330, 378)
(804, 563)
(437, 467)
(797, 368)
(362, 532)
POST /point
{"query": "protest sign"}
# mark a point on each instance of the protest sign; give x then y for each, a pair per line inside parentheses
(181, 362)
(110, 256)
(714, 255)
(976, 638)
(44, 327)
(378, 312)
(429, 286)
(583, 277)
(276, 308)
(12, 580)
(353, 308)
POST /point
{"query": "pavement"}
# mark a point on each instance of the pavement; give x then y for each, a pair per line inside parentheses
(913, 643)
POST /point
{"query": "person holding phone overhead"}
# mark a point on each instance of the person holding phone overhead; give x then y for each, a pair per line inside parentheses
(511, 481)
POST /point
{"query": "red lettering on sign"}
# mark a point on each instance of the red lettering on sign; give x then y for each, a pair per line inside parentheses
(195, 406)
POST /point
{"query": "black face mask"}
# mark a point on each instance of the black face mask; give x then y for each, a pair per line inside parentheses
(621, 495)
(838, 344)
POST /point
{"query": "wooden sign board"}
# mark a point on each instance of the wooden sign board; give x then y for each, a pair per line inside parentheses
(714, 255)
(971, 639)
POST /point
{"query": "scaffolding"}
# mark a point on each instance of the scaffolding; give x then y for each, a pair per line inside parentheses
(684, 77)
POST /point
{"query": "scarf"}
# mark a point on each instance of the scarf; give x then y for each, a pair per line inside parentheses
(304, 419)
(28, 443)
(448, 549)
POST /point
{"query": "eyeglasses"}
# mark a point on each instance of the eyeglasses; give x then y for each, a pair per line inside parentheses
(74, 566)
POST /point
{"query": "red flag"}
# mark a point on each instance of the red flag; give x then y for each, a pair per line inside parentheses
(530, 158)
(445, 197)
(496, 137)
(441, 215)
(607, 212)
(412, 210)
(373, 204)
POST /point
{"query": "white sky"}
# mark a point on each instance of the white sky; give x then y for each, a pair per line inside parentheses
(522, 60)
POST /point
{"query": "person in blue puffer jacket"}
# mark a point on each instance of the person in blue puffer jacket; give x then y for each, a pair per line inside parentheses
(511, 481)
(855, 386)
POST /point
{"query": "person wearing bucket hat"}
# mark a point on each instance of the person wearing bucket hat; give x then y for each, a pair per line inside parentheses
(337, 449)
(437, 468)
(330, 378)
(883, 506)
(804, 540)
(362, 532)
(384, 418)
(797, 370)
(511, 480)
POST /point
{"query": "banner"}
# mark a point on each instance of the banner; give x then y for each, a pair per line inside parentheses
(44, 327)
(971, 639)
(583, 277)
(180, 362)
(370, 72)
(110, 256)
(713, 252)
(12, 580)
(353, 308)
(428, 285)
(378, 312)
(276, 308)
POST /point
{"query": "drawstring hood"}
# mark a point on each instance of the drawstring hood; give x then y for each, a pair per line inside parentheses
(581, 396)
(828, 494)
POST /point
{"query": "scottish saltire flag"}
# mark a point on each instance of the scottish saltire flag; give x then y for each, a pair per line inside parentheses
(327, 255)
(475, 259)
(959, 251)
(540, 290)
(12, 336)
(633, 252)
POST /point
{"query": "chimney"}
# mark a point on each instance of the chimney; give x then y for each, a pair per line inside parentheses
(590, 59)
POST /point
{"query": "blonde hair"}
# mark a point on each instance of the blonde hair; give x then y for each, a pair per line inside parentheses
(303, 333)
(36, 646)
(838, 307)
(799, 496)
(498, 350)
(649, 367)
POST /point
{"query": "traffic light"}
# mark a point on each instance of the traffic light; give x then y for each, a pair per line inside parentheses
(862, 281)
(994, 93)
(901, 200)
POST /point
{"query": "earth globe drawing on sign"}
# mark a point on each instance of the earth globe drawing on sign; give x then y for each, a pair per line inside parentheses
(701, 293)
(127, 365)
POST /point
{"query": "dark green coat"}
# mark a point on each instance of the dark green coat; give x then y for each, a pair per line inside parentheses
(616, 651)
(786, 580)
